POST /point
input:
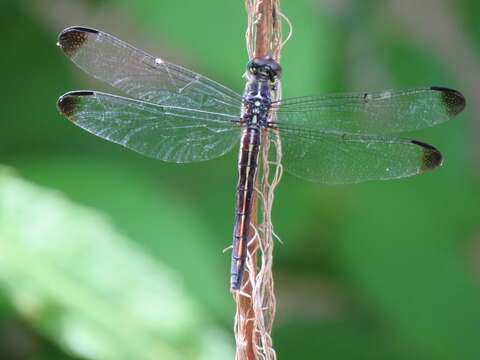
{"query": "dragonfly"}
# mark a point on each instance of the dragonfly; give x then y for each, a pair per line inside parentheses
(176, 115)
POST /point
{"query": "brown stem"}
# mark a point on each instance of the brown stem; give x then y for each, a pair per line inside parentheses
(263, 15)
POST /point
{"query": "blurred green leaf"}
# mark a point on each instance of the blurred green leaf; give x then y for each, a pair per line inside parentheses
(156, 209)
(86, 287)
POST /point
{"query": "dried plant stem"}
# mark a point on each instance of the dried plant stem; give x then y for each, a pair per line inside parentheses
(256, 301)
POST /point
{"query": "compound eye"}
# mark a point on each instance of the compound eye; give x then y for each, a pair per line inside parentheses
(252, 66)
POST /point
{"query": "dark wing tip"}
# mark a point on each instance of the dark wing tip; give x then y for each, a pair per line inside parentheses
(432, 158)
(68, 103)
(453, 100)
(71, 39)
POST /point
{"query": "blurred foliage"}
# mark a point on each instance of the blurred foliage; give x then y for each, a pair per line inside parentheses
(88, 288)
(124, 259)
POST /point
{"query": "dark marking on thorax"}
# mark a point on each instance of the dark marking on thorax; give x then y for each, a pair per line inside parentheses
(257, 101)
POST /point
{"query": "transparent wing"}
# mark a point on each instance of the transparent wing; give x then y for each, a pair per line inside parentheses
(143, 76)
(162, 132)
(372, 113)
(336, 158)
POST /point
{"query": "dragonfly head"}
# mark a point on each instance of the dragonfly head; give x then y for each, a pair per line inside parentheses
(264, 68)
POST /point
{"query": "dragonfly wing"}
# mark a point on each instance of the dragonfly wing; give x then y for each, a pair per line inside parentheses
(372, 113)
(336, 158)
(143, 76)
(167, 133)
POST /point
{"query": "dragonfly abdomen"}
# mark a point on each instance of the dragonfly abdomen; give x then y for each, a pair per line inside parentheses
(247, 170)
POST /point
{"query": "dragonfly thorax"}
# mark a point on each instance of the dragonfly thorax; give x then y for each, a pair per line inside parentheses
(257, 101)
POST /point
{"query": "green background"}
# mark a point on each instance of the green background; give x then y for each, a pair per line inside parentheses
(105, 254)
